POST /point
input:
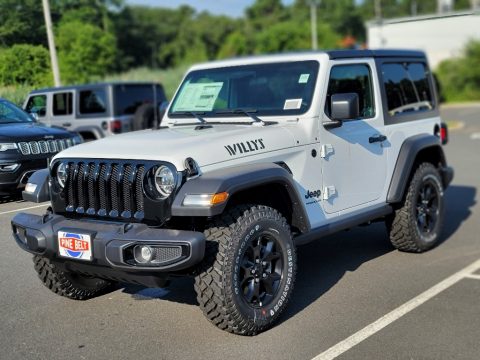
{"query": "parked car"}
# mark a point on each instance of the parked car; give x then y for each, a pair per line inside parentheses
(255, 157)
(26, 146)
(99, 110)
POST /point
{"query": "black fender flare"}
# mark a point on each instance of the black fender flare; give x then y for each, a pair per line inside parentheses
(235, 179)
(406, 160)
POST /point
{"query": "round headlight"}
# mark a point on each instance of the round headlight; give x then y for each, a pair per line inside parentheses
(62, 174)
(164, 181)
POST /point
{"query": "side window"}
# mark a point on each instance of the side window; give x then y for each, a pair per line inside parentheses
(62, 104)
(407, 88)
(93, 101)
(354, 78)
(37, 104)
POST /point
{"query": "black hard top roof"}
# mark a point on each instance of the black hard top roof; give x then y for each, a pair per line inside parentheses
(348, 54)
(83, 86)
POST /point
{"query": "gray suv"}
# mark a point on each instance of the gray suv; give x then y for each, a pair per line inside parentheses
(99, 110)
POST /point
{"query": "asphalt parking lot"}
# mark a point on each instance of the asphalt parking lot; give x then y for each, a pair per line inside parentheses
(355, 297)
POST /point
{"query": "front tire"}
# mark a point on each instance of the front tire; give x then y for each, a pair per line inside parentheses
(248, 273)
(67, 284)
(417, 224)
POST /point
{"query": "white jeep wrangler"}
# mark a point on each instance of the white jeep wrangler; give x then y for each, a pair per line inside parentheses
(255, 156)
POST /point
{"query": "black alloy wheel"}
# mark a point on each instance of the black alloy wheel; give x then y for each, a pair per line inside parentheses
(427, 207)
(261, 271)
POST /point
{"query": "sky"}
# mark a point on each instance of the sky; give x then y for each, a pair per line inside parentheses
(233, 8)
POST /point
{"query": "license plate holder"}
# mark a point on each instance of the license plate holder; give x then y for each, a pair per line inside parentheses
(75, 245)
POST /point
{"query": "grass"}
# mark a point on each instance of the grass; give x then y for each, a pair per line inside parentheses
(16, 94)
(169, 78)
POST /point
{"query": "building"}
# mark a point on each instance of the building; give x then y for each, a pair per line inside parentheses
(441, 36)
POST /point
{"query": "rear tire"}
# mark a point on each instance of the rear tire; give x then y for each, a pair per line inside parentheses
(417, 224)
(248, 273)
(70, 285)
(144, 117)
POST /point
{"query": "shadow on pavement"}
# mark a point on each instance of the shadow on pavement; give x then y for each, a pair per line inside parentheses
(17, 197)
(322, 263)
(459, 201)
(180, 290)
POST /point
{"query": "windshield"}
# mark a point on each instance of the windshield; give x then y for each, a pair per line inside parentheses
(265, 89)
(9, 113)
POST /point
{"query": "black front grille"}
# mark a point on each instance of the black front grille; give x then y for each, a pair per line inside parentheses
(105, 189)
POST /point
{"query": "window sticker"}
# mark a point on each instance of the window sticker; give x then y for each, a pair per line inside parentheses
(292, 104)
(303, 79)
(198, 97)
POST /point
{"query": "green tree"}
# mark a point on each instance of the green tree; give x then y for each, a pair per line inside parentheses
(291, 35)
(25, 64)
(236, 44)
(85, 51)
(21, 22)
(460, 78)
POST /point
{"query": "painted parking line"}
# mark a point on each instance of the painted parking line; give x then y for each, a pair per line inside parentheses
(396, 314)
(22, 209)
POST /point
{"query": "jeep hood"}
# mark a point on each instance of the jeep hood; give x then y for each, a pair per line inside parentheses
(207, 146)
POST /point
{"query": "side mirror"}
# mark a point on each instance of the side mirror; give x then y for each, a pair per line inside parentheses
(345, 106)
(34, 116)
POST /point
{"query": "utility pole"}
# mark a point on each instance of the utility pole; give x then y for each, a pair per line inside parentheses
(313, 23)
(378, 10)
(51, 43)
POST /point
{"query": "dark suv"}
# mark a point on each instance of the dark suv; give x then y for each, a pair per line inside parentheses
(26, 146)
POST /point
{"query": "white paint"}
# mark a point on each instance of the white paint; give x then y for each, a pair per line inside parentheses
(440, 36)
(475, 136)
(396, 314)
(22, 209)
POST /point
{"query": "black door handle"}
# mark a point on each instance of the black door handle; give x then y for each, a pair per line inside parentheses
(378, 138)
(66, 124)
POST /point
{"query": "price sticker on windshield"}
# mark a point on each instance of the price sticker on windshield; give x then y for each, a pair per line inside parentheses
(198, 97)
(303, 79)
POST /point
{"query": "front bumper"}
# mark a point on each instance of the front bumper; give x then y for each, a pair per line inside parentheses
(111, 246)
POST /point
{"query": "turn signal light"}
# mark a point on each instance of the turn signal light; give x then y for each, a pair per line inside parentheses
(219, 198)
(205, 199)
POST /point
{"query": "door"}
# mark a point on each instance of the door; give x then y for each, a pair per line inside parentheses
(353, 155)
(62, 109)
(37, 104)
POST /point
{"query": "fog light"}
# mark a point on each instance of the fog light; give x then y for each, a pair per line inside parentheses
(142, 253)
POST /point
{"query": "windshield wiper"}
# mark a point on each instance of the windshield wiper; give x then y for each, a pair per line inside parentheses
(248, 112)
(192, 113)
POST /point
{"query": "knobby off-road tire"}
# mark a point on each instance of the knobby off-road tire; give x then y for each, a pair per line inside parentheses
(417, 224)
(236, 292)
(70, 285)
(144, 117)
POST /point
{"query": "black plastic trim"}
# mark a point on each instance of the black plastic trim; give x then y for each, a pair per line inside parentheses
(38, 235)
(406, 158)
(42, 192)
(350, 54)
(345, 222)
(235, 179)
